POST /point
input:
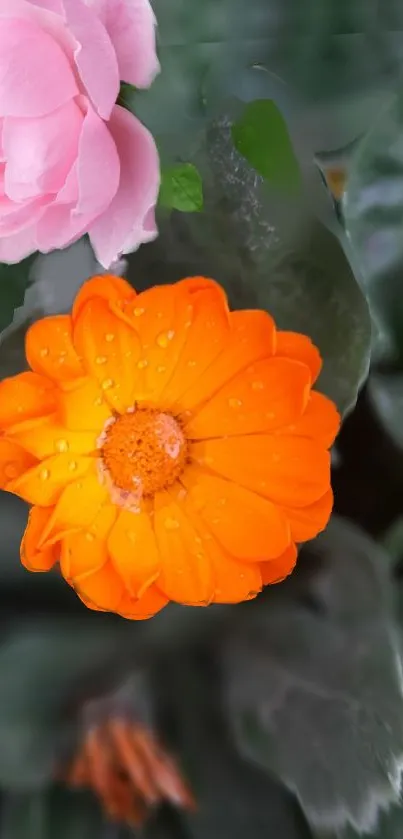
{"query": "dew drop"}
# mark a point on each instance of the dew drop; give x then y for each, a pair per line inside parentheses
(161, 369)
(44, 352)
(191, 363)
(109, 337)
(44, 474)
(142, 363)
(98, 400)
(234, 403)
(257, 385)
(101, 359)
(107, 383)
(270, 415)
(20, 409)
(164, 338)
(10, 470)
(138, 311)
(61, 445)
(73, 465)
(171, 524)
(132, 536)
(89, 536)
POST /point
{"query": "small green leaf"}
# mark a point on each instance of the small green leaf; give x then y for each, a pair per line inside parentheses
(13, 283)
(262, 137)
(127, 96)
(182, 188)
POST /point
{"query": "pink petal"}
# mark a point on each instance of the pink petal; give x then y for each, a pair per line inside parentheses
(35, 75)
(19, 245)
(131, 26)
(125, 218)
(49, 5)
(40, 152)
(15, 217)
(97, 172)
(94, 56)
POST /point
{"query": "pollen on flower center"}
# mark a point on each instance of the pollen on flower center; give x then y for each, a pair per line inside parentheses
(144, 450)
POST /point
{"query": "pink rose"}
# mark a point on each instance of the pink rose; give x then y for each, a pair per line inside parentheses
(71, 160)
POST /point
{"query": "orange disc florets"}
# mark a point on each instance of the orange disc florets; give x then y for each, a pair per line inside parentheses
(144, 450)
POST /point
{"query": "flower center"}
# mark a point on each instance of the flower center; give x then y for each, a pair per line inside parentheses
(144, 451)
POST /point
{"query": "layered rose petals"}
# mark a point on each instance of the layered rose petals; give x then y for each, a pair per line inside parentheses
(72, 161)
(218, 420)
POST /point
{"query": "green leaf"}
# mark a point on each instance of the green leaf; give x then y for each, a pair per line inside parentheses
(181, 188)
(262, 137)
(13, 283)
(373, 213)
(311, 677)
(269, 252)
(127, 96)
(386, 396)
(234, 800)
(53, 813)
(47, 666)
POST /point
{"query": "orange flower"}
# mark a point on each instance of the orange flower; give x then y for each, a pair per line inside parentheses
(171, 449)
(128, 770)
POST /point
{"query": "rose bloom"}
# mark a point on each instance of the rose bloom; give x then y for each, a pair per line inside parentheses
(171, 449)
(71, 160)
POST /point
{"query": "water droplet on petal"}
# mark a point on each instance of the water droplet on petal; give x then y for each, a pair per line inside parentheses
(171, 524)
(257, 385)
(131, 535)
(89, 537)
(107, 383)
(44, 352)
(109, 337)
(234, 403)
(161, 369)
(138, 311)
(270, 415)
(44, 474)
(10, 470)
(101, 359)
(142, 363)
(61, 445)
(98, 400)
(73, 465)
(191, 363)
(164, 338)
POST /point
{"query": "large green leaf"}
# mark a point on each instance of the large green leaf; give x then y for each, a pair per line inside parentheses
(373, 211)
(338, 58)
(312, 682)
(233, 799)
(47, 668)
(53, 814)
(269, 252)
(13, 283)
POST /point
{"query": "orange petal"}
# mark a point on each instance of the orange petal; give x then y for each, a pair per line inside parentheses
(186, 574)
(31, 556)
(134, 551)
(25, 396)
(82, 406)
(288, 470)
(194, 284)
(112, 362)
(268, 395)
(79, 504)
(251, 338)
(44, 483)
(279, 568)
(107, 286)
(81, 554)
(307, 522)
(234, 581)
(104, 590)
(207, 328)
(45, 436)
(300, 348)
(320, 421)
(161, 317)
(151, 602)
(14, 461)
(247, 526)
(49, 348)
